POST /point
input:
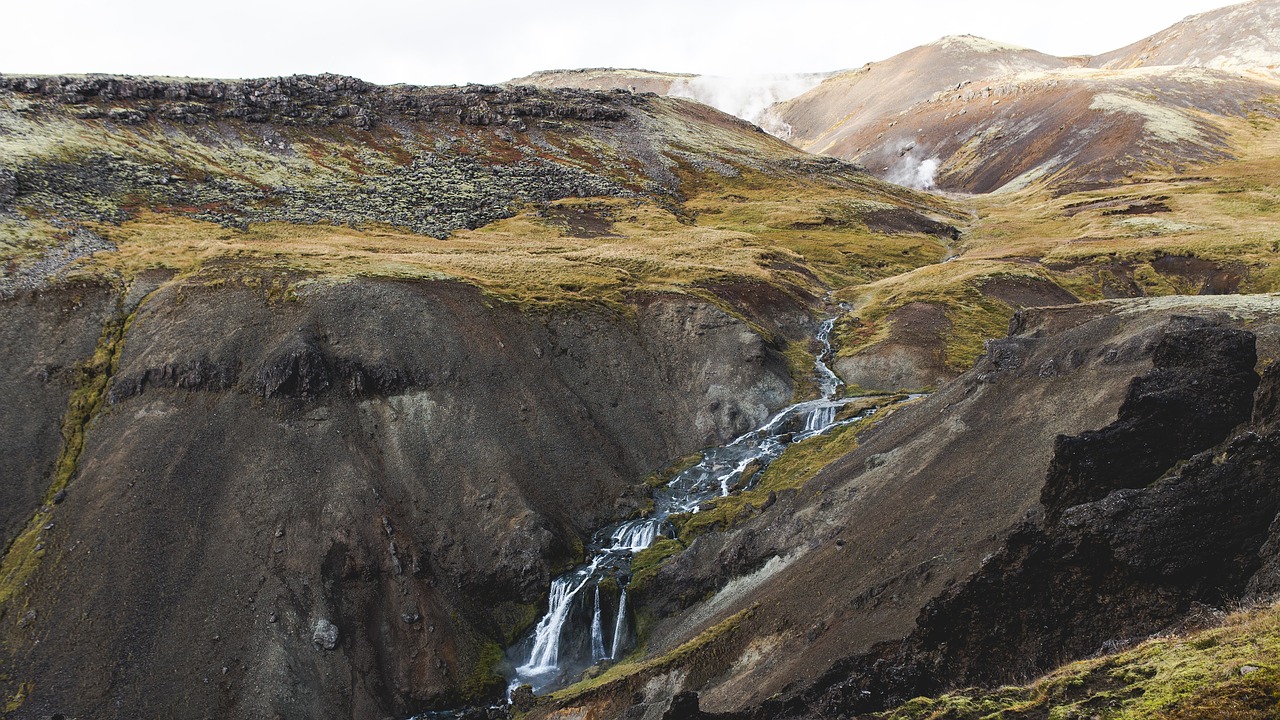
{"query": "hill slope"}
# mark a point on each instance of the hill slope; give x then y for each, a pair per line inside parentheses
(277, 348)
(1237, 37)
(974, 116)
(746, 97)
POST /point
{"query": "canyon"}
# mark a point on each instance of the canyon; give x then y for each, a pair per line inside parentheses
(576, 398)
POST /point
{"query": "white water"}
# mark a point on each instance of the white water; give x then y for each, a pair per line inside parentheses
(570, 637)
(597, 632)
(619, 627)
(546, 648)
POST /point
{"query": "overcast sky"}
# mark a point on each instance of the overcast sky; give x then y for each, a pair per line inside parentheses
(433, 42)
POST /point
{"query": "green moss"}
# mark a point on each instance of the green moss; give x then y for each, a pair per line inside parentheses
(1232, 671)
(681, 655)
(93, 377)
(646, 562)
(15, 701)
(483, 683)
(800, 365)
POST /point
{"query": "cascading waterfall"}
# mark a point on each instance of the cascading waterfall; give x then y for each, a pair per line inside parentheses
(570, 637)
(619, 627)
(597, 632)
(546, 647)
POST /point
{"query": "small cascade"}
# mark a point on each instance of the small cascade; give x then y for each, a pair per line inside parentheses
(597, 632)
(545, 654)
(636, 535)
(570, 637)
(619, 627)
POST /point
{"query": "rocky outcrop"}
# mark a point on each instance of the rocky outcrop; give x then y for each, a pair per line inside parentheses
(1201, 388)
(1124, 549)
(311, 100)
(343, 503)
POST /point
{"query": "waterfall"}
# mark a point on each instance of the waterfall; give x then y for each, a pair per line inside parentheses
(636, 535)
(619, 627)
(819, 418)
(597, 632)
(555, 653)
(546, 646)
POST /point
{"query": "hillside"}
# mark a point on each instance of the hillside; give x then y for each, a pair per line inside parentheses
(574, 398)
(1236, 37)
(970, 115)
(841, 107)
(940, 549)
(277, 345)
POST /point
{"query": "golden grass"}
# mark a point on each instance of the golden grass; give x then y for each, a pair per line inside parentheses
(1230, 671)
(1229, 217)
(522, 258)
(528, 259)
(823, 226)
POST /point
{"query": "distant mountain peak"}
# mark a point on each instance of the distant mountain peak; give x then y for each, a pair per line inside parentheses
(976, 44)
(1244, 36)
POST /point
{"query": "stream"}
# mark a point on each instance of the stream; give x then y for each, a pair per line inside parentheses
(587, 620)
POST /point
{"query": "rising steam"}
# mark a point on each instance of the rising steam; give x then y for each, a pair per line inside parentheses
(747, 97)
(915, 172)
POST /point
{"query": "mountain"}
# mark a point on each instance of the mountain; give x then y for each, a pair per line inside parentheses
(970, 115)
(329, 399)
(746, 97)
(1236, 37)
(844, 104)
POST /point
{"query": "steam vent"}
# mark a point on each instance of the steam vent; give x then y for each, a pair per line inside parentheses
(941, 387)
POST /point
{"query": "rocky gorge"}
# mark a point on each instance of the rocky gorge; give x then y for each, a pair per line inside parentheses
(318, 390)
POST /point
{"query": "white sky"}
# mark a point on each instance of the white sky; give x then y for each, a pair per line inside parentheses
(434, 42)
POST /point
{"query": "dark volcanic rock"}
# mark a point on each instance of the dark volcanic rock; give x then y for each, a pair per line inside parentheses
(298, 369)
(371, 452)
(43, 337)
(1120, 554)
(316, 100)
(1202, 386)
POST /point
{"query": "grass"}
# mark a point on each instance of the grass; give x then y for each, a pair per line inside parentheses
(524, 259)
(645, 564)
(823, 226)
(688, 652)
(1231, 671)
(93, 376)
(1230, 219)
(957, 287)
(795, 467)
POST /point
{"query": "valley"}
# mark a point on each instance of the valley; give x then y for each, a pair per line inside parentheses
(576, 398)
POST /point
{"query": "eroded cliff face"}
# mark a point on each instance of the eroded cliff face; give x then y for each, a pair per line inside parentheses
(335, 501)
(42, 340)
